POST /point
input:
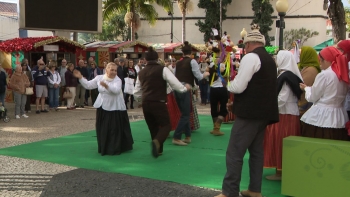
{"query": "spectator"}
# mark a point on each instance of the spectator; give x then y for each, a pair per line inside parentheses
(130, 72)
(19, 81)
(62, 71)
(120, 71)
(93, 72)
(40, 74)
(3, 84)
(30, 78)
(80, 90)
(71, 85)
(54, 86)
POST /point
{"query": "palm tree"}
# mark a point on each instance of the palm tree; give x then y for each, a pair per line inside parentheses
(185, 6)
(135, 10)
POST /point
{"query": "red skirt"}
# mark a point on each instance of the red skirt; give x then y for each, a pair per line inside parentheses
(174, 112)
(289, 125)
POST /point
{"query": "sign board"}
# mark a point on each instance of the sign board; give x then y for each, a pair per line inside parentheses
(51, 48)
(130, 49)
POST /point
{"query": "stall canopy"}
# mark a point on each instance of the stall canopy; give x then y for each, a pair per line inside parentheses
(324, 44)
(36, 44)
(117, 46)
(172, 47)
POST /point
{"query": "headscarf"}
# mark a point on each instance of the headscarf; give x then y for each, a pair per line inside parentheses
(287, 62)
(291, 75)
(345, 46)
(339, 62)
(308, 57)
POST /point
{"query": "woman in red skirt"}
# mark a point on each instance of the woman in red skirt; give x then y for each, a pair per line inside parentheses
(289, 93)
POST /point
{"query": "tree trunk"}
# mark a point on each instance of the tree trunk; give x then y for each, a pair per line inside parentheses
(132, 34)
(184, 26)
(337, 15)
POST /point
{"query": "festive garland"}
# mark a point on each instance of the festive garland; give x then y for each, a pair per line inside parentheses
(36, 43)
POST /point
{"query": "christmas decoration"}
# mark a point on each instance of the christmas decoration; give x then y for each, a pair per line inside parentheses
(37, 43)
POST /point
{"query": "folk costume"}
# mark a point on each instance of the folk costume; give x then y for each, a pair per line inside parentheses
(112, 121)
(289, 93)
(327, 117)
(151, 89)
(187, 69)
(255, 106)
(219, 69)
(309, 67)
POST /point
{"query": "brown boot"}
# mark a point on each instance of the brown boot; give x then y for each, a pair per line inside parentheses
(214, 120)
(217, 126)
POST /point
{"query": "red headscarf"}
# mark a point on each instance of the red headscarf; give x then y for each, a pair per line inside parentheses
(339, 62)
(345, 46)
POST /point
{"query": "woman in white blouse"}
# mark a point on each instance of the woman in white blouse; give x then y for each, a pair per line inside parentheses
(289, 93)
(54, 80)
(112, 121)
(327, 116)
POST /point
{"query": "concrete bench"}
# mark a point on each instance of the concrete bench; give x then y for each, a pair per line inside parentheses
(315, 167)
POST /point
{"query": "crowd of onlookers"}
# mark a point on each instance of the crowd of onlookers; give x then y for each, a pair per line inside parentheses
(50, 81)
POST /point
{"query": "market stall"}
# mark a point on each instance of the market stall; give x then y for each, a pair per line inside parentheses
(167, 50)
(13, 51)
(106, 51)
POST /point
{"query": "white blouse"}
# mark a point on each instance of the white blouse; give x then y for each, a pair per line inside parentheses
(327, 95)
(287, 101)
(110, 99)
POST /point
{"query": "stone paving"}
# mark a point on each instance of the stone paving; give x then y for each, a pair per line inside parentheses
(23, 177)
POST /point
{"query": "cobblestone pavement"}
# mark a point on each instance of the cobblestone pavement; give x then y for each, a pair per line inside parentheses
(30, 178)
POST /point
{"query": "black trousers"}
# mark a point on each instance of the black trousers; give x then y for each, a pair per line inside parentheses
(218, 95)
(158, 121)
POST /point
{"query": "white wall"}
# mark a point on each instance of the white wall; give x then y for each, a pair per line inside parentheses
(9, 29)
(234, 26)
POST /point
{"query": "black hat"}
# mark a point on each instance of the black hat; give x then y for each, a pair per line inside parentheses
(186, 48)
(151, 54)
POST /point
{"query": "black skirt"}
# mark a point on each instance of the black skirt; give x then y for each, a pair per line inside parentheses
(113, 132)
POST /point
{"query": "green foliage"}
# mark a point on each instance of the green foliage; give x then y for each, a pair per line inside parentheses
(347, 18)
(271, 49)
(262, 16)
(212, 16)
(113, 28)
(301, 34)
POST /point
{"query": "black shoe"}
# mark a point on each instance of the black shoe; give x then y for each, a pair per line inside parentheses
(37, 111)
(82, 106)
(45, 111)
(155, 148)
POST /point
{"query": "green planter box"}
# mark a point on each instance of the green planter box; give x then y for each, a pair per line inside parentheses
(315, 167)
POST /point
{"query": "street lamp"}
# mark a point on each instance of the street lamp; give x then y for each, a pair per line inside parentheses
(243, 34)
(281, 7)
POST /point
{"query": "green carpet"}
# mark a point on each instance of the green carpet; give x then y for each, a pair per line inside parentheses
(202, 163)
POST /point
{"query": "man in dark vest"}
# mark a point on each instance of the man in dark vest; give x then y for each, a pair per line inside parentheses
(186, 70)
(151, 86)
(255, 106)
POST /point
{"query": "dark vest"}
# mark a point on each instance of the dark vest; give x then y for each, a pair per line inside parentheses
(184, 71)
(152, 82)
(259, 100)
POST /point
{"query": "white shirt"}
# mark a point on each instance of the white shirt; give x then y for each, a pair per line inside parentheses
(110, 99)
(327, 95)
(169, 77)
(250, 64)
(54, 78)
(287, 101)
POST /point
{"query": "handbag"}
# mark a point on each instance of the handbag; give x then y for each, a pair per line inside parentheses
(29, 91)
(67, 94)
(129, 86)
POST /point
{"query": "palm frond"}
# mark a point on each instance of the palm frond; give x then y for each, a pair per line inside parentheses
(149, 13)
(111, 6)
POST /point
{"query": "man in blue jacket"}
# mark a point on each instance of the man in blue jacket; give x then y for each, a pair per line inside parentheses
(40, 74)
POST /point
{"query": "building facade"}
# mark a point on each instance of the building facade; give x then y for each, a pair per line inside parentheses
(309, 15)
